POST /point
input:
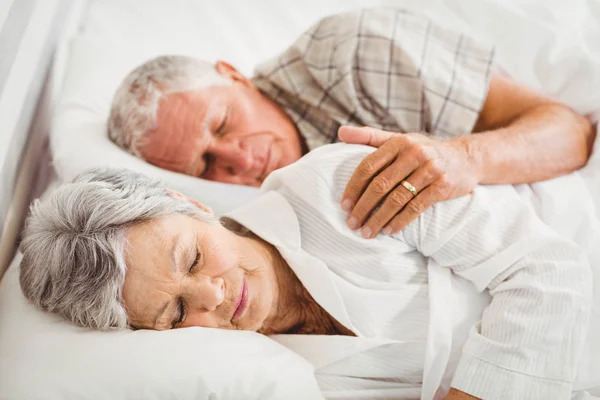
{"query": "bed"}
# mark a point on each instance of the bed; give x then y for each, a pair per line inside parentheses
(56, 82)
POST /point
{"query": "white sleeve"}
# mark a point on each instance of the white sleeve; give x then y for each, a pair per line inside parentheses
(527, 344)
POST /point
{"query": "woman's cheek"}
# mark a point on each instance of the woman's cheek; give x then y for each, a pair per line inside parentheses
(222, 259)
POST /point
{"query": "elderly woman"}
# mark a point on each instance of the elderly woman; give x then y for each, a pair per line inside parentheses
(117, 249)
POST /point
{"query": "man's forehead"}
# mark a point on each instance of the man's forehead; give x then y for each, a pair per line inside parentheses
(179, 121)
(200, 103)
(178, 109)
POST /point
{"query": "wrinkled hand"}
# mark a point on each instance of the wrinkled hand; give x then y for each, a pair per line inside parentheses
(438, 169)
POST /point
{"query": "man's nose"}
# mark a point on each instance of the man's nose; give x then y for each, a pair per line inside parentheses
(235, 156)
(210, 294)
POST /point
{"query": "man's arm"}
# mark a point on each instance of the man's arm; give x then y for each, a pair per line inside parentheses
(522, 137)
(527, 344)
(526, 137)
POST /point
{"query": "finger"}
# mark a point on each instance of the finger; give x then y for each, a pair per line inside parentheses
(412, 210)
(380, 187)
(367, 170)
(364, 135)
(396, 201)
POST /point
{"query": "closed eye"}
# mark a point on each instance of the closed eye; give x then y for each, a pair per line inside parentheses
(208, 160)
(195, 263)
(223, 123)
(181, 313)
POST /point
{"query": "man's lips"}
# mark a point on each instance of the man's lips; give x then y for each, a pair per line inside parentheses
(242, 302)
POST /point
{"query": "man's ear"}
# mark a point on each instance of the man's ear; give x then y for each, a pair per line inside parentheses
(229, 71)
(177, 195)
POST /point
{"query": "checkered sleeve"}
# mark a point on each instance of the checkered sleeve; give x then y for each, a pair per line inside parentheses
(419, 74)
(385, 68)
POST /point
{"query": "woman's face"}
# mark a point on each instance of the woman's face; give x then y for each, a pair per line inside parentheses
(184, 272)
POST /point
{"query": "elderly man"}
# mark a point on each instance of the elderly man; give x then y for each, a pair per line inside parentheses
(389, 70)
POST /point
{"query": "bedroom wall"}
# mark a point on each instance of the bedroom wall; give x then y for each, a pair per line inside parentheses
(29, 33)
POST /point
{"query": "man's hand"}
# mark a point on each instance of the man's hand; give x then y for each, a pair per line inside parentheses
(438, 170)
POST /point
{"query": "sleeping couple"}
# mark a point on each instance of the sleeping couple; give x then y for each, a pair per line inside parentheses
(345, 239)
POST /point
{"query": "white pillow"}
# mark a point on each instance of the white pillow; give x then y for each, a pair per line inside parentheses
(45, 357)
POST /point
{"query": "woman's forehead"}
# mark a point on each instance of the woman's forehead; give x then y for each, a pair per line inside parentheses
(151, 243)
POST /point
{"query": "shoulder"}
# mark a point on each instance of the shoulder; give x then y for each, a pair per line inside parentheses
(367, 31)
(335, 42)
(324, 171)
(347, 38)
(332, 161)
(379, 22)
(334, 154)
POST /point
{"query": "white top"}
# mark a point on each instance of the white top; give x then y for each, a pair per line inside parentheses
(398, 291)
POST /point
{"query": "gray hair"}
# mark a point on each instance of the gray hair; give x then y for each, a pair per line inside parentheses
(74, 243)
(136, 101)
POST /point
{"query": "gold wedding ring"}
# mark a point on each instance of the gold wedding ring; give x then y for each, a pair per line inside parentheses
(413, 190)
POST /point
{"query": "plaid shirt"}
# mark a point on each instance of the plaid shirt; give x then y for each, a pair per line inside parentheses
(385, 68)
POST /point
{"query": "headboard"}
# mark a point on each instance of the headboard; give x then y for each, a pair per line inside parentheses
(30, 33)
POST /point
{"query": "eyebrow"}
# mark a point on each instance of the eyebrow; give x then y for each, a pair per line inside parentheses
(209, 115)
(223, 121)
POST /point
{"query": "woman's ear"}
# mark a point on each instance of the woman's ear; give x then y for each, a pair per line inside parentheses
(177, 195)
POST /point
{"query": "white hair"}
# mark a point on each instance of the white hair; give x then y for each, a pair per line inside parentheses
(74, 243)
(136, 101)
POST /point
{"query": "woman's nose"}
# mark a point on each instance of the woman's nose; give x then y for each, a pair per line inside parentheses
(210, 294)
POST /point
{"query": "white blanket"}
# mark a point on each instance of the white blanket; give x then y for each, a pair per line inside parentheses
(569, 205)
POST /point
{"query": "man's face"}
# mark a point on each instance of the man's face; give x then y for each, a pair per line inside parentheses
(231, 134)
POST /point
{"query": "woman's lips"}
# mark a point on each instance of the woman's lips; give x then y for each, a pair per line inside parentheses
(242, 302)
